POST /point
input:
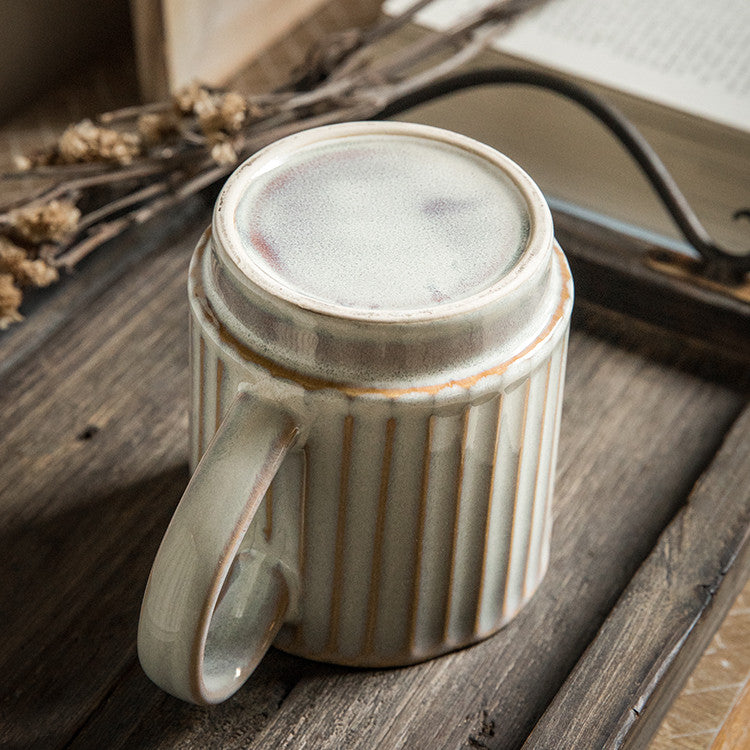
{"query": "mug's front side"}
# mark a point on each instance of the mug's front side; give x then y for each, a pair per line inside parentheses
(409, 514)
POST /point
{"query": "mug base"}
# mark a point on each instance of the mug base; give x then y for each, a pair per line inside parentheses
(290, 640)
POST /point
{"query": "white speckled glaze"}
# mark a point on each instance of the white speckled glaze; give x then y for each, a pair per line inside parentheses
(374, 461)
(457, 223)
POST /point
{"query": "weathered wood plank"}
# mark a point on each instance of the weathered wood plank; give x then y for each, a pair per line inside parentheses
(92, 463)
(99, 87)
(81, 520)
(715, 687)
(80, 516)
(50, 310)
(650, 642)
(610, 270)
(620, 479)
(698, 356)
(629, 378)
(93, 401)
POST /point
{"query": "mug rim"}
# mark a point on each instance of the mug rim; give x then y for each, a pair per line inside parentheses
(533, 259)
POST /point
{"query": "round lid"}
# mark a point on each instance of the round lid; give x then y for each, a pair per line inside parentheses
(382, 222)
(437, 246)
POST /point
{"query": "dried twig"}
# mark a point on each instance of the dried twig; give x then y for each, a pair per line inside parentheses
(136, 162)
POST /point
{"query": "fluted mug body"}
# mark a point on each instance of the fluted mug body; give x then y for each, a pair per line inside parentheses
(408, 511)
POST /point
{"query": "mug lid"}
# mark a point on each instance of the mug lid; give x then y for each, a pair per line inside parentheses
(383, 253)
(383, 221)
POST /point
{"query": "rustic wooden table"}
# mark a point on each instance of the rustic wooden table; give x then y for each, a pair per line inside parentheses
(651, 540)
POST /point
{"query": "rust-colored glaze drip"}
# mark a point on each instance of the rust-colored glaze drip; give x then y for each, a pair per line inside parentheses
(268, 528)
(302, 550)
(377, 552)
(553, 467)
(486, 543)
(338, 561)
(419, 542)
(313, 383)
(219, 385)
(456, 518)
(201, 391)
(535, 501)
(515, 496)
(191, 414)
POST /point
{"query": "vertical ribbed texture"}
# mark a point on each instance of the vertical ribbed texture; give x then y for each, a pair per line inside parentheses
(377, 553)
(484, 589)
(516, 550)
(194, 415)
(420, 529)
(218, 396)
(201, 395)
(338, 558)
(268, 502)
(419, 538)
(456, 520)
(298, 636)
(541, 509)
(544, 551)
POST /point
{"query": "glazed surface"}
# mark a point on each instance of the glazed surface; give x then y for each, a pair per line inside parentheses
(390, 222)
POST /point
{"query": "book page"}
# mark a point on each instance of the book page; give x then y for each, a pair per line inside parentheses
(691, 55)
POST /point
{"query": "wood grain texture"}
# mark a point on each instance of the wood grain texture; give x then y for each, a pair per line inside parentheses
(735, 732)
(715, 701)
(284, 59)
(85, 496)
(150, 48)
(82, 517)
(93, 459)
(616, 485)
(179, 41)
(666, 616)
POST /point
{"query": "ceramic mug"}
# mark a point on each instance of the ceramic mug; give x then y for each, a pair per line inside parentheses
(379, 319)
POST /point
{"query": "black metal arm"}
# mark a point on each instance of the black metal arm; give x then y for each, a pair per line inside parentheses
(717, 262)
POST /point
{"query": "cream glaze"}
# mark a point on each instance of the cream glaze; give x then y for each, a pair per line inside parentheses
(389, 222)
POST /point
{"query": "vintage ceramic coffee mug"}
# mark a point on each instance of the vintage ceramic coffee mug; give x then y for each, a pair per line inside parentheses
(379, 329)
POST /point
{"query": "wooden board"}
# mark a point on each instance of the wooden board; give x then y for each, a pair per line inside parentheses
(44, 41)
(713, 709)
(94, 455)
(611, 271)
(665, 617)
(179, 41)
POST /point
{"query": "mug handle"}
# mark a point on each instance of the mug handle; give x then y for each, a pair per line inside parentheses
(209, 614)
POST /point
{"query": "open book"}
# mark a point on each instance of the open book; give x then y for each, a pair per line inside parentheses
(679, 69)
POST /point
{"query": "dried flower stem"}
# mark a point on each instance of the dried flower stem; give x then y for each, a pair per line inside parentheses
(139, 161)
(139, 196)
(133, 111)
(388, 24)
(71, 187)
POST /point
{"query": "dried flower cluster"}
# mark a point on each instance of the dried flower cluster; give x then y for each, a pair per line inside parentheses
(202, 116)
(84, 142)
(32, 236)
(131, 164)
(216, 111)
(49, 222)
(26, 238)
(87, 142)
(18, 269)
(219, 115)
